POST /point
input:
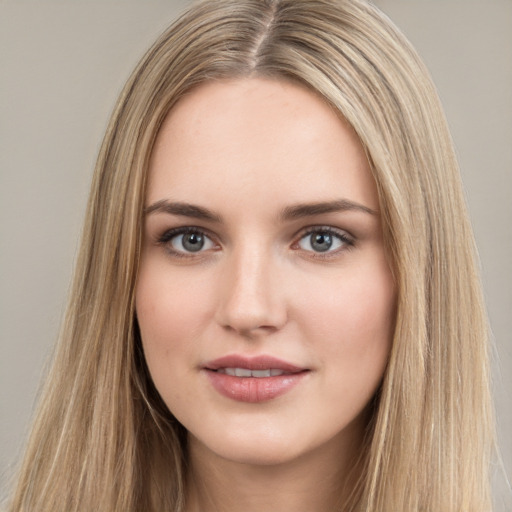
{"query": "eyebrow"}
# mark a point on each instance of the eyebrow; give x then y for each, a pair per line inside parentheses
(289, 213)
(311, 209)
(182, 209)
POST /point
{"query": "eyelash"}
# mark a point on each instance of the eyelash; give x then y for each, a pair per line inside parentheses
(346, 240)
(168, 235)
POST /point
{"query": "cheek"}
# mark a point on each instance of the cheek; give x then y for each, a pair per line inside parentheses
(168, 314)
(352, 316)
(166, 324)
(351, 329)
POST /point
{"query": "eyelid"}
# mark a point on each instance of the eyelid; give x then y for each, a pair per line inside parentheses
(165, 238)
(346, 238)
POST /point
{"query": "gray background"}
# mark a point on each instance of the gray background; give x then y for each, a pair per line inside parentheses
(62, 65)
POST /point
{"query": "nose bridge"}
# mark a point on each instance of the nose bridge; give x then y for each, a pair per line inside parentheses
(252, 298)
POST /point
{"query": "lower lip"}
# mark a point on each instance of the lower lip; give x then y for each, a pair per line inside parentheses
(254, 389)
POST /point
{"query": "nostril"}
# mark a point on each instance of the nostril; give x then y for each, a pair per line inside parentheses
(251, 331)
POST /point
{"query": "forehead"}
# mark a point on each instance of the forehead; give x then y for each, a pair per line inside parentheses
(242, 140)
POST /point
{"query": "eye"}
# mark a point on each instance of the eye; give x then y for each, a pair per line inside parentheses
(324, 240)
(183, 241)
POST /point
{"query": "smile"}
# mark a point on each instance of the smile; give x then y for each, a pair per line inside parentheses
(253, 379)
(258, 374)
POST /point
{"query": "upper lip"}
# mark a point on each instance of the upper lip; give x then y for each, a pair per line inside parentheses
(262, 362)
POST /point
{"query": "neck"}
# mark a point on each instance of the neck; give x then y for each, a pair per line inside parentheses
(322, 480)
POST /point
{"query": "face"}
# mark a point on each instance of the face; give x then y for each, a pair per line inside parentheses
(264, 299)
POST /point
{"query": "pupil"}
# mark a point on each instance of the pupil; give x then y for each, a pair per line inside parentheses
(321, 242)
(193, 242)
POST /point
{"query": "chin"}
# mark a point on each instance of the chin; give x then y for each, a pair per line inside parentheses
(255, 449)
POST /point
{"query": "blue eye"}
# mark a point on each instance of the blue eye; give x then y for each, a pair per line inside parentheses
(187, 241)
(323, 240)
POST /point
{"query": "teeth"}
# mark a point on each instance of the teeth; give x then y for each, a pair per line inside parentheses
(261, 373)
(244, 372)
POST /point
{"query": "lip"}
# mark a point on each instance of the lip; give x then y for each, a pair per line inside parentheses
(253, 389)
(252, 363)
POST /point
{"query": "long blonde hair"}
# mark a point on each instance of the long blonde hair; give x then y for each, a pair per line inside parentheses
(103, 439)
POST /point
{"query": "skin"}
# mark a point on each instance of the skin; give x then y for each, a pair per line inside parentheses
(246, 150)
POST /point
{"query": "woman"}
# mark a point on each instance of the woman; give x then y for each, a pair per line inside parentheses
(276, 195)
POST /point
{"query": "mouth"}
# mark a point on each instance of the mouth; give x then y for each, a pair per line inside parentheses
(253, 379)
(241, 365)
(257, 374)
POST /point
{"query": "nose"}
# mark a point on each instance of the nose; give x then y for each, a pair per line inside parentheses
(252, 297)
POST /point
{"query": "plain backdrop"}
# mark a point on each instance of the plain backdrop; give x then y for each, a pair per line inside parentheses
(62, 65)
